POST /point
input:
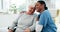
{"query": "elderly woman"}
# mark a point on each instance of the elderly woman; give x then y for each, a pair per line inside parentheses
(25, 22)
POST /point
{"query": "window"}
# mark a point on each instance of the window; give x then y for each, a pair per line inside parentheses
(21, 4)
(4, 6)
(1, 4)
(18, 4)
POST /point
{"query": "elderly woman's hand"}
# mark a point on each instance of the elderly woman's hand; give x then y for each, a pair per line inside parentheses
(9, 30)
(27, 30)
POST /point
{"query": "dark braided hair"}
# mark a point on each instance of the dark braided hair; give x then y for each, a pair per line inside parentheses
(42, 2)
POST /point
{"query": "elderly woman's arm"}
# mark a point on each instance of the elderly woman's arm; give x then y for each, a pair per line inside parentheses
(14, 24)
(31, 28)
(11, 28)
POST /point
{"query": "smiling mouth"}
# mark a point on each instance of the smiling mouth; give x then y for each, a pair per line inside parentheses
(36, 8)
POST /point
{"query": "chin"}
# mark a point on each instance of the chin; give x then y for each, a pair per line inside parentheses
(38, 11)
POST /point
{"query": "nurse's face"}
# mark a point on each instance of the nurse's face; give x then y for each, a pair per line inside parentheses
(38, 7)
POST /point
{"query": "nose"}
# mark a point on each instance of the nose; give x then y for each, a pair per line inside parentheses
(36, 7)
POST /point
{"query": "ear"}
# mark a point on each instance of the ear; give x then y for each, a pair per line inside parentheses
(42, 5)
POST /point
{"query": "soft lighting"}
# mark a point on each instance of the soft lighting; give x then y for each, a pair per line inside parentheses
(57, 4)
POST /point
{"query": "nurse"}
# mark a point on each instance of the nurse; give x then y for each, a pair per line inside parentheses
(46, 23)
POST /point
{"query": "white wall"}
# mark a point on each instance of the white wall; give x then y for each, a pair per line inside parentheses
(6, 20)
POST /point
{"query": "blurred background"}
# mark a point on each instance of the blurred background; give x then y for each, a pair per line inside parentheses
(9, 10)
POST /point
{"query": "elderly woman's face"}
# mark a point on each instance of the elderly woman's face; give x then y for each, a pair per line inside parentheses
(31, 9)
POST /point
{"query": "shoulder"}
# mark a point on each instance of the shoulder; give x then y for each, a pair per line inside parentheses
(35, 15)
(45, 13)
(22, 12)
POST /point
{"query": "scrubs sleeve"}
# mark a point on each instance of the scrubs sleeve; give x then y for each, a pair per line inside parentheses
(43, 20)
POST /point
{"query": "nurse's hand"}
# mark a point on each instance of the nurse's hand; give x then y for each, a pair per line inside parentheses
(27, 30)
(9, 30)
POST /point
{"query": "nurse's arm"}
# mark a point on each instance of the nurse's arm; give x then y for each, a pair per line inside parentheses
(42, 22)
(39, 28)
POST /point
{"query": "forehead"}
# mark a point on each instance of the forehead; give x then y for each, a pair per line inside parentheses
(31, 7)
(38, 3)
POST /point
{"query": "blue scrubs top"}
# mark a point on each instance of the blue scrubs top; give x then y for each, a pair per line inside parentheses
(47, 22)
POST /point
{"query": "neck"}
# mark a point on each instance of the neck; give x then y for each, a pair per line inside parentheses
(42, 10)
